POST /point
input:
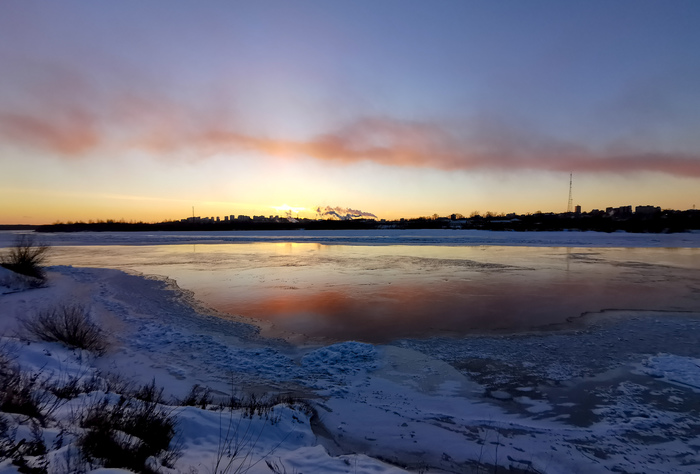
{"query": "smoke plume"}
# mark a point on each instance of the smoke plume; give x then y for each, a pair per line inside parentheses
(342, 213)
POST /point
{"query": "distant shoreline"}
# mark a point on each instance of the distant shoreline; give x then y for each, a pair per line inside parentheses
(660, 223)
(18, 227)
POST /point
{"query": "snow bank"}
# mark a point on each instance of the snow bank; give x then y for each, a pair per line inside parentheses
(281, 436)
(11, 282)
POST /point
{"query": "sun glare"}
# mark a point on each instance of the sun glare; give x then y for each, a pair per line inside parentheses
(287, 208)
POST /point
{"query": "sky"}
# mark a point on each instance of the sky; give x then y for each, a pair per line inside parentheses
(143, 110)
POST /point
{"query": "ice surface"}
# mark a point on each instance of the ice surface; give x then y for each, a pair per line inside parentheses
(374, 237)
(419, 404)
(380, 293)
(674, 369)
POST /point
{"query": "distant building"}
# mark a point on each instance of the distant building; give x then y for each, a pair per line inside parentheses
(647, 210)
(578, 210)
(622, 211)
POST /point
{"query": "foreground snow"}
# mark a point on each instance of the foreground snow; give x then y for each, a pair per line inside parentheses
(620, 396)
(11, 282)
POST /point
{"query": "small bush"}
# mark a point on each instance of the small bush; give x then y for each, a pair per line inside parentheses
(30, 455)
(67, 387)
(68, 324)
(8, 446)
(149, 393)
(27, 393)
(26, 256)
(19, 392)
(126, 434)
(198, 396)
(264, 405)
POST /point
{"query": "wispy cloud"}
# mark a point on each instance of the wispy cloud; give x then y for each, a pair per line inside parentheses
(164, 129)
(74, 134)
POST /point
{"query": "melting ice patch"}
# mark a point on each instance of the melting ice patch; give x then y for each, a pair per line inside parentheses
(345, 358)
(674, 369)
(332, 367)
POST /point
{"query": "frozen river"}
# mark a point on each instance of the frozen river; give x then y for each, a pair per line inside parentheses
(620, 394)
(346, 287)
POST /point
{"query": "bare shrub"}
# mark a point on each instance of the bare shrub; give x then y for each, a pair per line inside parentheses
(114, 383)
(252, 404)
(69, 462)
(19, 391)
(30, 455)
(66, 390)
(149, 393)
(8, 439)
(263, 405)
(68, 324)
(67, 387)
(278, 467)
(26, 256)
(238, 440)
(126, 434)
(198, 396)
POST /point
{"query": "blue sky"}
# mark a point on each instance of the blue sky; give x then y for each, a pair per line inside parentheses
(141, 110)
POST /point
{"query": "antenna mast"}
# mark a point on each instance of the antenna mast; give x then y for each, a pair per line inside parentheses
(570, 207)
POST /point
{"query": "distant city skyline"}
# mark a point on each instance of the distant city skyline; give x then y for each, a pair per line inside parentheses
(348, 214)
(139, 111)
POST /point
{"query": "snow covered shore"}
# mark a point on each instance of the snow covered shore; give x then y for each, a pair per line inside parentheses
(622, 395)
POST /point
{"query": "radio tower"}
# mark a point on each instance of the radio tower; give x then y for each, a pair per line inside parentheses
(570, 207)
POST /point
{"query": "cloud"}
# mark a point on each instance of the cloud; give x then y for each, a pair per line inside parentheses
(75, 134)
(72, 128)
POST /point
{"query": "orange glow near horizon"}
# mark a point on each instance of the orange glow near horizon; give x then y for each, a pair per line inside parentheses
(219, 191)
(467, 116)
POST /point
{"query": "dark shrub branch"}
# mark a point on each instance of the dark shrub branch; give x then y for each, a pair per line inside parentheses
(126, 434)
(68, 324)
(26, 256)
